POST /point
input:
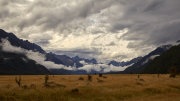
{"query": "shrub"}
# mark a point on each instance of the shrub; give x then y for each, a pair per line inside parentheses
(100, 74)
(89, 77)
(75, 91)
(172, 75)
(80, 78)
(173, 72)
(18, 81)
(46, 79)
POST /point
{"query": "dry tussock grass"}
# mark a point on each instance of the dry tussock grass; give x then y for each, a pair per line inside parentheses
(114, 88)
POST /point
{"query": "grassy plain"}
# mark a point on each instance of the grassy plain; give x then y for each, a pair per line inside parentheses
(118, 87)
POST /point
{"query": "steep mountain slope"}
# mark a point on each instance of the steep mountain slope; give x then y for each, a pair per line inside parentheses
(14, 41)
(50, 57)
(27, 45)
(19, 64)
(143, 62)
(133, 61)
(140, 65)
(163, 63)
(20, 43)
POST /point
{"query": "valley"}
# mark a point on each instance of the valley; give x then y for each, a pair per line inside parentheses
(124, 87)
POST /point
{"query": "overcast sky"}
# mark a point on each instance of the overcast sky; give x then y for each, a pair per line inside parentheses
(103, 29)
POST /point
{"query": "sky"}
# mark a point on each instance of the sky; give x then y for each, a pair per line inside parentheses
(106, 30)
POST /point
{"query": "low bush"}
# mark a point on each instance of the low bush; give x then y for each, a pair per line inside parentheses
(90, 77)
(100, 74)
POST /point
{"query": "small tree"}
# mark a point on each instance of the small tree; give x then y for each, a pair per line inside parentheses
(89, 77)
(100, 74)
(46, 79)
(18, 81)
(138, 76)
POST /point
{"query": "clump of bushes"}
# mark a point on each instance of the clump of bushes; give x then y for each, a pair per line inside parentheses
(18, 81)
(100, 74)
(173, 72)
(90, 77)
(80, 78)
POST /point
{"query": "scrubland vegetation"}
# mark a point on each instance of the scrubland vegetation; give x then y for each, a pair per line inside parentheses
(150, 87)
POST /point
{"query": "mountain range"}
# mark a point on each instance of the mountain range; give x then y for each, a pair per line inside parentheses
(74, 61)
(144, 61)
(158, 61)
(68, 61)
(133, 61)
(22, 69)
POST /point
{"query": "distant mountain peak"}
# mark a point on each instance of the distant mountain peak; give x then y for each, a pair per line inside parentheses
(178, 41)
(76, 57)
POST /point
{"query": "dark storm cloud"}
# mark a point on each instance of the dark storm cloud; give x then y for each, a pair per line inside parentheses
(154, 5)
(154, 23)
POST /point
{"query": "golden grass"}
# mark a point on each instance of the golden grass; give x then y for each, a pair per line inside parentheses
(118, 87)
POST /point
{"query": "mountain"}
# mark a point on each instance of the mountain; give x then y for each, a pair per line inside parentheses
(27, 45)
(141, 64)
(164, 62)
(50, 57)
(68, 61)
(133, 61)
(74, 61)
(14, 41)
(115, 63)
(144, 61)
(19, 64)
(20, 43)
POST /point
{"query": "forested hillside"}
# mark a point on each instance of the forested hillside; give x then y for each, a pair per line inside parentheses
(163, 63)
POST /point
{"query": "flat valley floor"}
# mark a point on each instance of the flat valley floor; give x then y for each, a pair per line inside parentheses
(118, 87)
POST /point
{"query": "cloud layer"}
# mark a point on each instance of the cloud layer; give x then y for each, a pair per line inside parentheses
(102, 29)
(40, 59)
